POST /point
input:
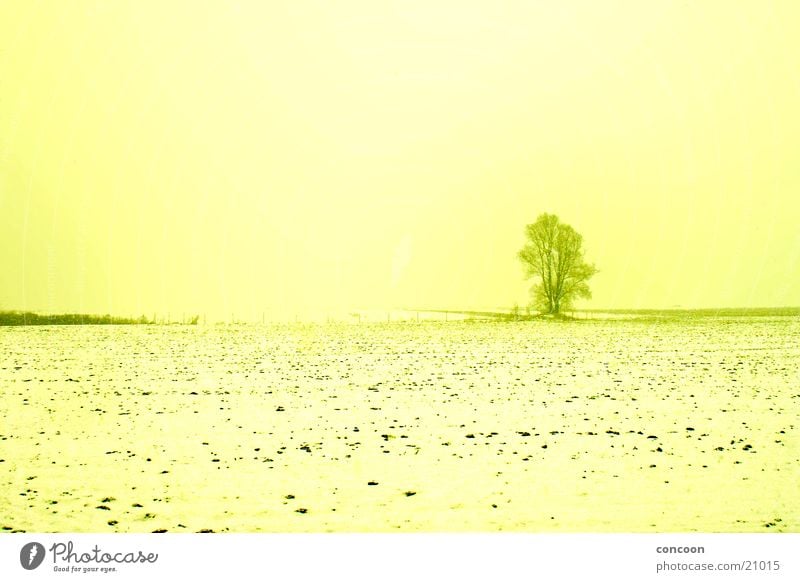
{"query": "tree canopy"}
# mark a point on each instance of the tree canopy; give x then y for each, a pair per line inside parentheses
(554, 256)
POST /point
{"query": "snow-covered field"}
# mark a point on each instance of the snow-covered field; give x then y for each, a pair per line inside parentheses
(679, 425)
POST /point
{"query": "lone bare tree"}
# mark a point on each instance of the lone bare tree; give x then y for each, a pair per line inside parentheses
(554, 255)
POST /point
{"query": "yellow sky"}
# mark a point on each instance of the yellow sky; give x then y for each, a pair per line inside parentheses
(285, 156)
